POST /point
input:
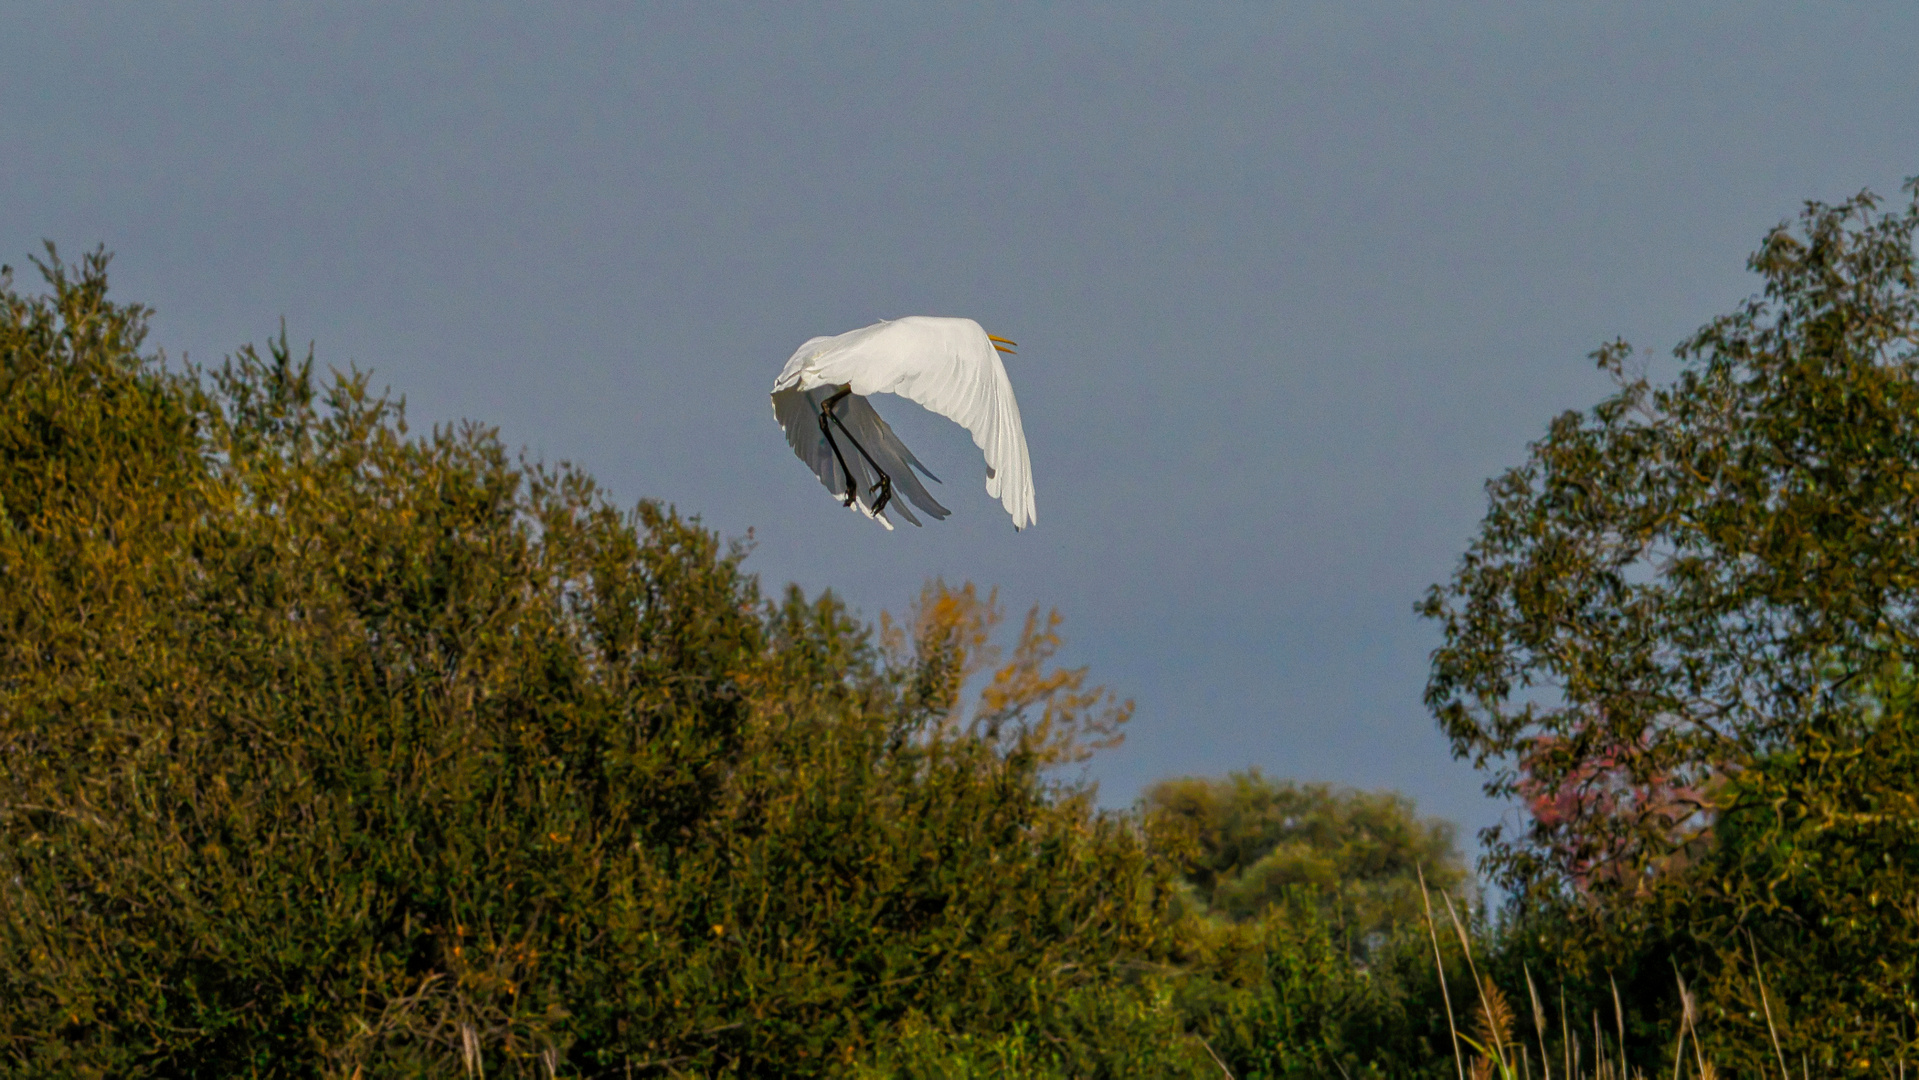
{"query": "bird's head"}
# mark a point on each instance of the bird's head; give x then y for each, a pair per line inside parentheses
(1001, 343)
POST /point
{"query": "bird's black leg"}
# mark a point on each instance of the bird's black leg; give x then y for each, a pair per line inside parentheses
(826, 429)
(884, 488)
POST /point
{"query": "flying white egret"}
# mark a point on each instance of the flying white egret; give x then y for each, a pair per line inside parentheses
(950, 366)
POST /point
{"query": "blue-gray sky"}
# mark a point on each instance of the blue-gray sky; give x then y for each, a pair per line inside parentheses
(1290, 280)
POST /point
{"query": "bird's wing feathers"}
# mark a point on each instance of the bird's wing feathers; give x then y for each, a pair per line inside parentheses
(950, 367)
(798, 416)
(893, 457)
(798, 413)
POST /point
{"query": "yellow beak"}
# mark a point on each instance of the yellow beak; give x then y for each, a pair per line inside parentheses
(1001, 343)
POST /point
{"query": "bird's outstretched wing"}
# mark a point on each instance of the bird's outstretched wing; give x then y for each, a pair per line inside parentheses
(950, 367)
(798, 413)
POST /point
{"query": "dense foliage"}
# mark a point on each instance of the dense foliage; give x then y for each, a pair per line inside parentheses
(327, 745)
(1683, 639)
(1358, 857)
(333, 750)
(330, 749)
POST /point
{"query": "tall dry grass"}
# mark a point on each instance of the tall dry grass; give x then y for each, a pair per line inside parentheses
(1490, 1047)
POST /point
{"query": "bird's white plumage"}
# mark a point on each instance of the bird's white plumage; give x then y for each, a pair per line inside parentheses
(946, 365)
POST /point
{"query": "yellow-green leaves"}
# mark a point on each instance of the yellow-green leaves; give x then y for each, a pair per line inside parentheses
(327, 747)
(1683, 640)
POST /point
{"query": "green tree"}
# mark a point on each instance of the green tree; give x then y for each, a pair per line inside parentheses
(329, 749)
(1679, 638)
(1356, 854)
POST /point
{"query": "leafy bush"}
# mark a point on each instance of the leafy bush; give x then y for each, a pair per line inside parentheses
(1804, 918)
(332, 750)
(1358, 855)
(1683, 638)
(328, 749)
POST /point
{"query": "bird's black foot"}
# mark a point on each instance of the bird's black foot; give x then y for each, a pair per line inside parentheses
(885, 493)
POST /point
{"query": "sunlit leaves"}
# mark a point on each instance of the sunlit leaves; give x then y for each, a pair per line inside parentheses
(1680, 578)
(1356, 856)
(328, 747)
(1684, 638)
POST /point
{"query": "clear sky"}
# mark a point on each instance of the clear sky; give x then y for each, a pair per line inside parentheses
(1291, 280)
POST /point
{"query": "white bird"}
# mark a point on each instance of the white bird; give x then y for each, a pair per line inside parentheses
(950, 366)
